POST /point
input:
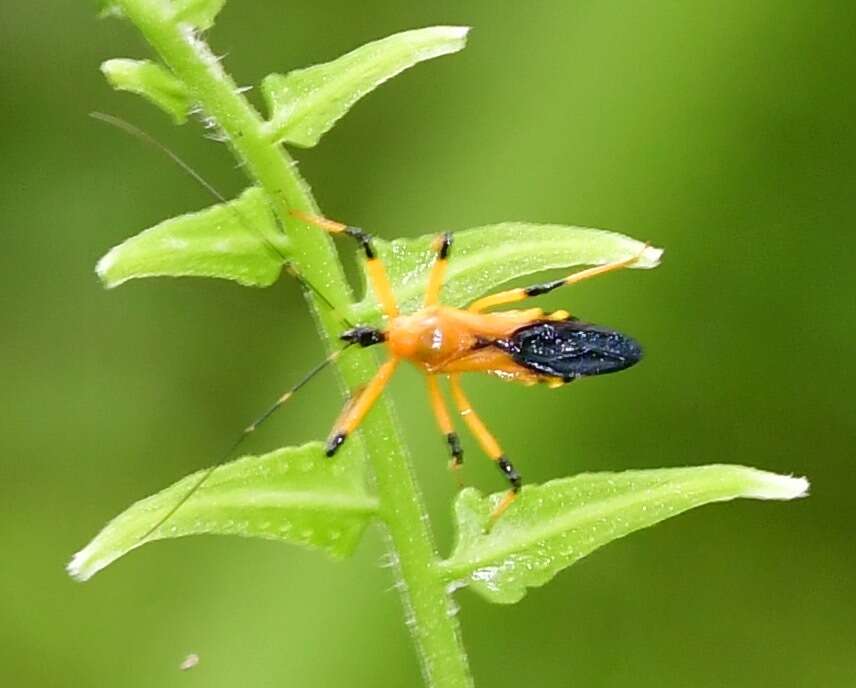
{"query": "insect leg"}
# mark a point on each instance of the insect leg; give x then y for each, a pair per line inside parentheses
(443, 245)
(356, 410)
(521, 293)
(374, 266)
(445, 422)
(489, 445)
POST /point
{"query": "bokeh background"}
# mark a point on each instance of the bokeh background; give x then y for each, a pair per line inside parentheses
(723, 131)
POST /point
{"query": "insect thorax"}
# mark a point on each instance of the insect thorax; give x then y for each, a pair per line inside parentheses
(430, 337)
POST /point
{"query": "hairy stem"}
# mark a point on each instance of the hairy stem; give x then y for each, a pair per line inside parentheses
(431, 621)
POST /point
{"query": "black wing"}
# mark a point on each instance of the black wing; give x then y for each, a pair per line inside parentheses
(569, 349)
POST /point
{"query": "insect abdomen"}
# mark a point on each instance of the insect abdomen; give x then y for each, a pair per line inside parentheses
(569, 349)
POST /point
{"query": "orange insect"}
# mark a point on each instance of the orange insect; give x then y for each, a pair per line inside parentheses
(527, 346)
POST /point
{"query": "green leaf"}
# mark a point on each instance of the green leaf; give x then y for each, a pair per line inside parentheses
(238, 240)
(485, 257)
(152, 81)
(296, 495)
(198, 13)
(306, 103)
(551, 526)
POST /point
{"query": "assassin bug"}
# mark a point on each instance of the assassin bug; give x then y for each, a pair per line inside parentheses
(527, 346)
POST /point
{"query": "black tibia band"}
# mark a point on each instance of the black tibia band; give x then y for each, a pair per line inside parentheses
(335, 442)
(539, 289)
(445, 246)
(364, 239)
(455, 448)
(509, 472)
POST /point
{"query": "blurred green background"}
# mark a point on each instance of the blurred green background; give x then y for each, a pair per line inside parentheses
(722, 131)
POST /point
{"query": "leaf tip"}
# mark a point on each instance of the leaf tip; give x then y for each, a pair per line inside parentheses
(103, 268)
(108, 66)
(117, 67)
(454, 38)
(777, 486)
(652, 256)
(80, 567)
(458, 32)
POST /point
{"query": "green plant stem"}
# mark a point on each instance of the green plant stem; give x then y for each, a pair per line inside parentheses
(431, 620)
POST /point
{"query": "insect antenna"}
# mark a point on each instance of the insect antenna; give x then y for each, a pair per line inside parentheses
(251, 428)
(144, 136)
(138, 133)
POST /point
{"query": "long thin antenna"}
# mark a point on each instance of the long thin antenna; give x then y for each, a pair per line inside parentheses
(129, 128)
(252, 427)
(144, 136)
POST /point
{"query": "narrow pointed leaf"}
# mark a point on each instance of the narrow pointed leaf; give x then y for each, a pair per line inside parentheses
(551, 526)
(484, 257)
(238, 241)
(198, 13)
(152, 81)
(306, 103)
(296, 495)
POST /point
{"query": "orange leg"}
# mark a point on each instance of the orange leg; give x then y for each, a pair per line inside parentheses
(489, 445)
(442, 245)
(377, 274)
(357, 409)
(522, 293)
(445, 422)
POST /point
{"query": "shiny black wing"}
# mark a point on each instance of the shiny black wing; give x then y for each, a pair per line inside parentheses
(569, 349)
